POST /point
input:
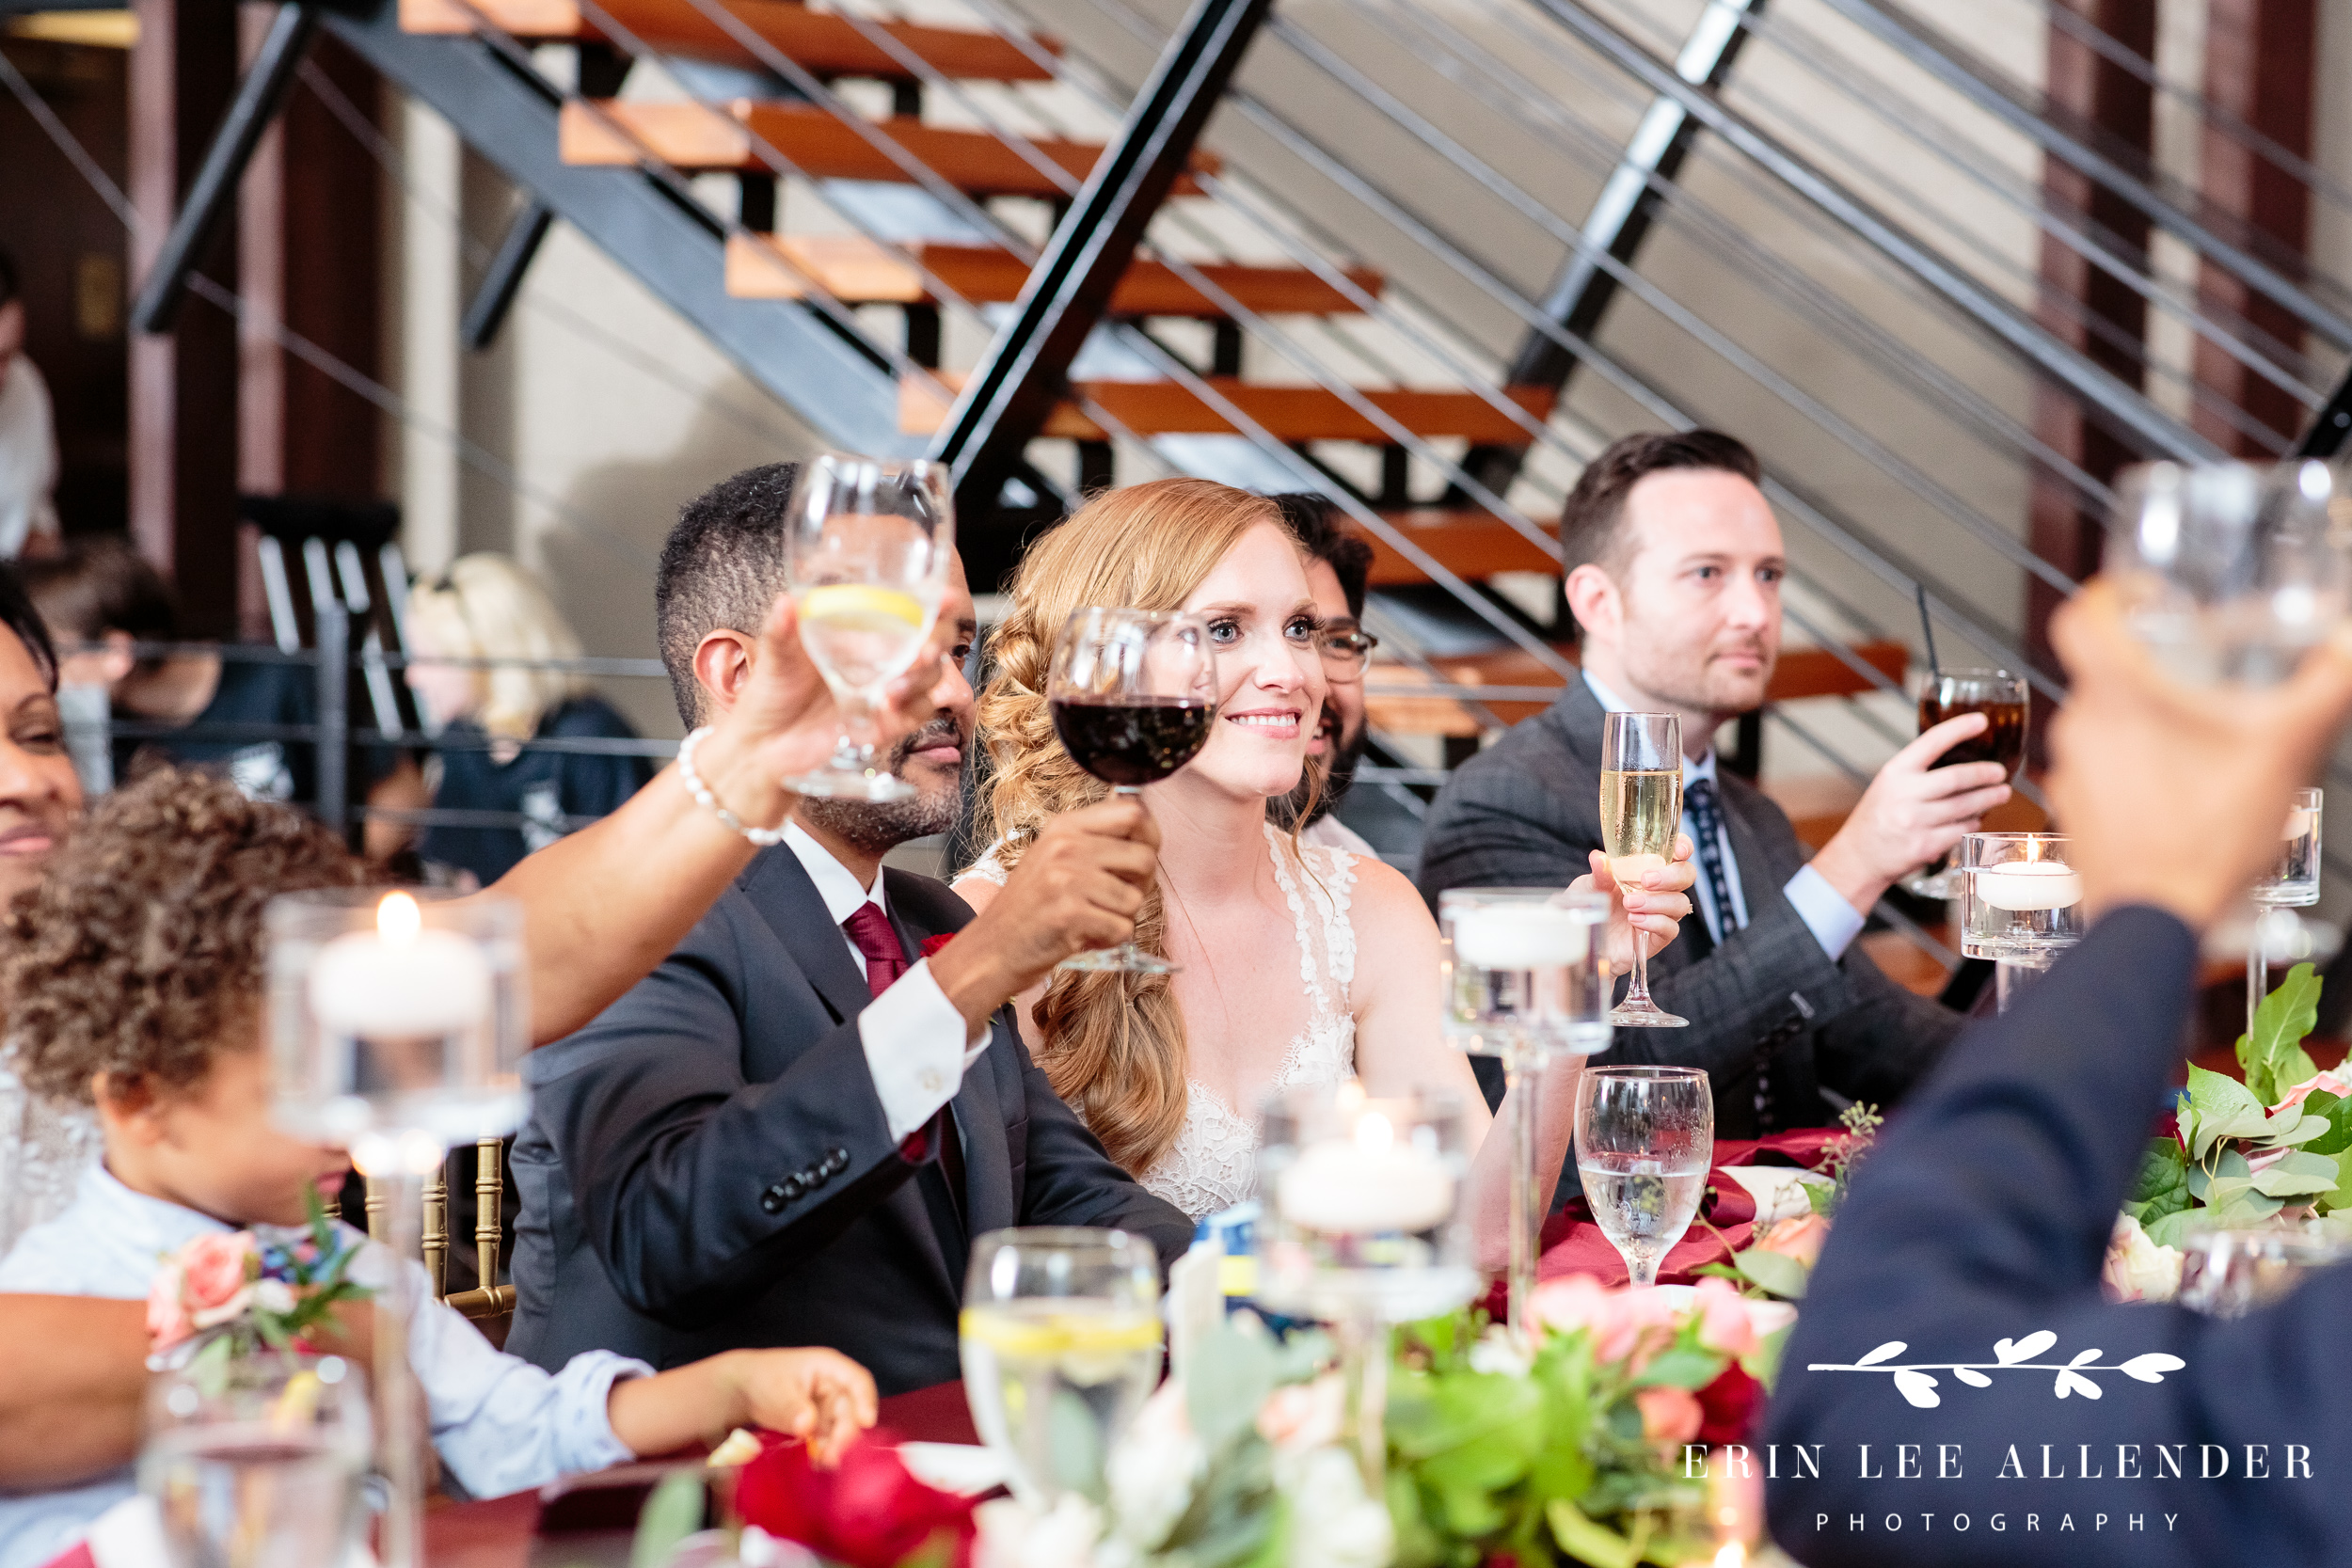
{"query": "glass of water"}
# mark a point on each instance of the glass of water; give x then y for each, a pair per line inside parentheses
(868, 546)
(1061, 1346)
(2229, 571)
(1523, 982)
(256, 1463)
(1644, 1140)
(2293, 882)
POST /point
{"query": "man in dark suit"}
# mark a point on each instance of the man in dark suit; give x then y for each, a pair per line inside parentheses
(1985, 1214)
(790, 1132)
(1677, 564)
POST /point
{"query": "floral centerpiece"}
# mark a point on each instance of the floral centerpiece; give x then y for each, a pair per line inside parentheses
(2239, 1153)
(225, 1298)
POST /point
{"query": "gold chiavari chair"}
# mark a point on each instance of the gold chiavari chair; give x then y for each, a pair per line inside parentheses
(489, 1299)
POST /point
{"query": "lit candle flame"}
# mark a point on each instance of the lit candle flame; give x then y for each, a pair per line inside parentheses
(398, 919)
(1374, 1135)
(1733, 1556)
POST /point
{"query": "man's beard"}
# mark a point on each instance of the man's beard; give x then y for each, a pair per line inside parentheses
(879, 826)
(1335, 772)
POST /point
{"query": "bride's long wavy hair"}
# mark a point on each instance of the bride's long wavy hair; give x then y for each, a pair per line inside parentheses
(1113, 1044)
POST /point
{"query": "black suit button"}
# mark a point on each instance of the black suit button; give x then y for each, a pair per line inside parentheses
(837, 1160)
(774, 1198)
(792, 1186)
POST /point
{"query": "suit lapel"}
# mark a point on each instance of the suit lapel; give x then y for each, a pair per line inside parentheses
(780, 890)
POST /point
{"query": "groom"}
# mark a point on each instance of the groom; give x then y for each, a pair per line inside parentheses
(790, 1132)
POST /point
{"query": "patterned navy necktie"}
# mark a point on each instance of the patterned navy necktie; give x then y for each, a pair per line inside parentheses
(1698, 801)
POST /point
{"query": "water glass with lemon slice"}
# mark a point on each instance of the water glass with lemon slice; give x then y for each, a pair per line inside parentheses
(867, 548)
(1061, 1346)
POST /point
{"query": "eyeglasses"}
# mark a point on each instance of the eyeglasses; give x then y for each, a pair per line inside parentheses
(1345, 650)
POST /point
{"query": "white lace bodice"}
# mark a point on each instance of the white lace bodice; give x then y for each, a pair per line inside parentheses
(1213, 1165)
(44, 1148)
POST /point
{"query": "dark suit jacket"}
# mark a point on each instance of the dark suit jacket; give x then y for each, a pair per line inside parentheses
(1526, 813)
(707, 1164)
(1983, 1217)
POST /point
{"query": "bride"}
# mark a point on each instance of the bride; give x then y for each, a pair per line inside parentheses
(1296, 964)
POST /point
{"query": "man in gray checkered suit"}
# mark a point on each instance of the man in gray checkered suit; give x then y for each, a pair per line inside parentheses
(1676, 571)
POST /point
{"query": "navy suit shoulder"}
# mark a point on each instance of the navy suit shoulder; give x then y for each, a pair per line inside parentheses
(708, 1164)
(1985, 1215)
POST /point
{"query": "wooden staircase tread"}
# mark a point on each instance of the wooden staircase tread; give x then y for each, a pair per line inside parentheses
(1800, 673)
(861, 271)
(696, 136)
(1287, 413)
(1471, 543)
(826, 44)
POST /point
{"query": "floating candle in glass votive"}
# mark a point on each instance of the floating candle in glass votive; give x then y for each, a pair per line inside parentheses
(1367, 1183)
(2020, 901)
(400, 981)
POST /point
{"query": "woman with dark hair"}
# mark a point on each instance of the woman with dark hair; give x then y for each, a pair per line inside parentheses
(73, 1371)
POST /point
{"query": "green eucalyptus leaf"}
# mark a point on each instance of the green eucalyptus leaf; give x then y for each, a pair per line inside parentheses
(1588, 1542)
(1775, 1272)
(2337, 1112)
(2169, 1229)
(1226, 1380)
(2225, 1109)
(673, 1512)
(2296, 1175)
(2273, 1055)
(2290, 1128)
(1763, 1362)
(1682, 1366)
(2244, 1206)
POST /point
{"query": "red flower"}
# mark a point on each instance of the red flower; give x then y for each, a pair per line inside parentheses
(1728, 1404)
(867, 1512)
(932, 944)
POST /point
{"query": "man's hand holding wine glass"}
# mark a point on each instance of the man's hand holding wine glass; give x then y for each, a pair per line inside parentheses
(1076, 890)
(1654, 903)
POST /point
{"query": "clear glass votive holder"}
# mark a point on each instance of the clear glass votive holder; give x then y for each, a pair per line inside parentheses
(2226, 1273)
(398, 1020)
(1523, 972)
(2020, 901)
(2295, 879)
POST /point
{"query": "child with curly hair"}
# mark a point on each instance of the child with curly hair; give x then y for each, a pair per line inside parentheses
(134, 982)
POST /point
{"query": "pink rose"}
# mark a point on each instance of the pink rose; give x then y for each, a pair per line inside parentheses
(1300, 1416)
(216, 1268)
(1670, 1417)
(166, 1316)
(2336, 1080)
(1626, 1324)
(1800, 1237)
(1724, 1326)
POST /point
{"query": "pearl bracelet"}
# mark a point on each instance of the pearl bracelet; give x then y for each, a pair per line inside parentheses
(766, 838)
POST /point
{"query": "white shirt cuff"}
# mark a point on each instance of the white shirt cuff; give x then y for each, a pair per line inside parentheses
(917, 1048)
(1834, 922)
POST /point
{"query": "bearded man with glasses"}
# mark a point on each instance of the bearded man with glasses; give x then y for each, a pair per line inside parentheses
(1338, 566)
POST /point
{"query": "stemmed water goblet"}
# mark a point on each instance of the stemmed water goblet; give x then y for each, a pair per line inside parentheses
(1645, 1141)
(1134, 694)
(868, 547)
(1640, 811)
(1060, 1337)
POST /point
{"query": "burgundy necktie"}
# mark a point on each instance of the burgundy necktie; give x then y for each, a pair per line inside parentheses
(872, 933)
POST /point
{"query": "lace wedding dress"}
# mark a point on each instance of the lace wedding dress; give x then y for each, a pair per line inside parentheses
(44, 1148)
(1213, 1165)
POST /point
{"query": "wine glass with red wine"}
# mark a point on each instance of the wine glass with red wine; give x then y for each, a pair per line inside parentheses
(1948, 694)
(1134, 692)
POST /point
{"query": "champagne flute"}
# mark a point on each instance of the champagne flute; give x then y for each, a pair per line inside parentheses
(867, 548)
(1641, 810)
(1060, 1335)
(2293, 882)
(1134, 694)
(1645, 1138)
(2001, 697)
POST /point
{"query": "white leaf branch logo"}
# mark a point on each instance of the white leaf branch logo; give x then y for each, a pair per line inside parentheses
(2008, 1356)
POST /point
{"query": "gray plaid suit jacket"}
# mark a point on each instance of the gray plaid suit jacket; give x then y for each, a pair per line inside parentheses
(1766, 1006)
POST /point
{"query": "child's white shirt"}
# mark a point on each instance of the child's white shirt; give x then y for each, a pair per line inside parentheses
(499, 1424)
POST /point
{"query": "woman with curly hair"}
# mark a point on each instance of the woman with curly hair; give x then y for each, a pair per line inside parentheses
(1297, 965)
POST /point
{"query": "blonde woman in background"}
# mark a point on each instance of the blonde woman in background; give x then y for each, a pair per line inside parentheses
(1297, 965)
(486, 606)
